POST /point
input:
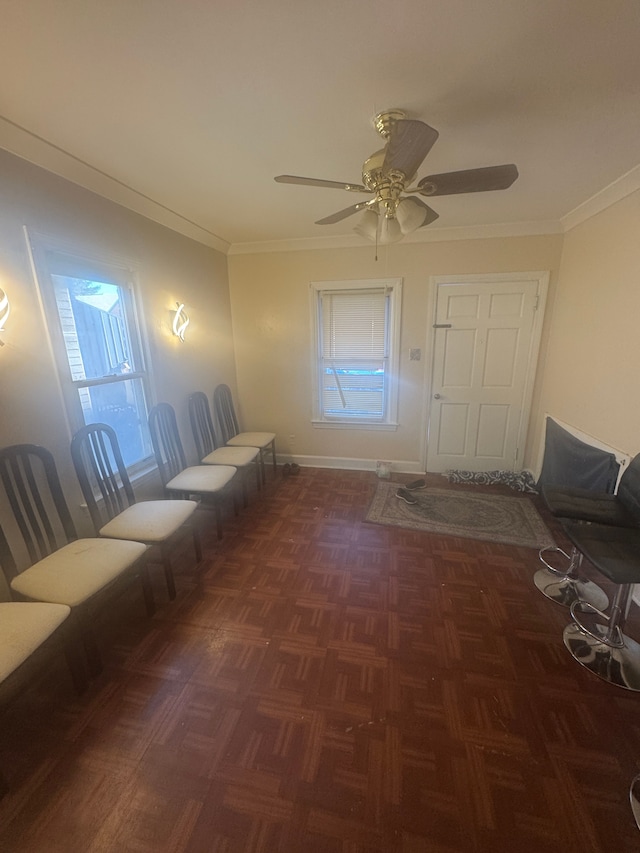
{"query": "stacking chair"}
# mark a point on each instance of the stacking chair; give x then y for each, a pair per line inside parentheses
(565, 584)
(78, 573)
(596, 639)
(208, 482)
(210, 453)
(103, 477)
(225, 413)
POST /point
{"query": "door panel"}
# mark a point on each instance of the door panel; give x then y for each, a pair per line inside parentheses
(483, 347)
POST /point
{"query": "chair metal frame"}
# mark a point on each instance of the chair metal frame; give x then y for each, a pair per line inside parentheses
(99, 465)
(230, 428)
(206, 441)
(45, 525)
(171, 461)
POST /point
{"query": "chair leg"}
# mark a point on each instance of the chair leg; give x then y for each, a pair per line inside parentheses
(147, 589)
(197, 542)
(72, 642)
(91, 650)
(273, 456)
(602, 647)
(218, 509)
(168, 573)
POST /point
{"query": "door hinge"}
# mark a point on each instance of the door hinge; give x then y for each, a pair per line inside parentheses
(537, 302)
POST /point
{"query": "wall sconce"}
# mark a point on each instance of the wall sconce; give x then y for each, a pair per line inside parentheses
(5, 310)
(180, 321)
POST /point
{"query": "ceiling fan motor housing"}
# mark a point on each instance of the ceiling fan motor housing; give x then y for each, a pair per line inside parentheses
(387, 186)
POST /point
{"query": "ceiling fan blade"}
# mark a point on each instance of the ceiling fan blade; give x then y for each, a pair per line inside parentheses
(409, 143)
(469, 181)
(318, 182)
(342, 214)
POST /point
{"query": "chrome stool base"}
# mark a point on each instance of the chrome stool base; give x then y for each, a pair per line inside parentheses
(634, 798)
(565, 590)
(617, 665)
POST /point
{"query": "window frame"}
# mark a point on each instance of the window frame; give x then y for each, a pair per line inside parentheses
(113, 270)
(393, 286)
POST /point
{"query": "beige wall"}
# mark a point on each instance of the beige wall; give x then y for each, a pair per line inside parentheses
(169, 267)
(591, 375)
(271, 322)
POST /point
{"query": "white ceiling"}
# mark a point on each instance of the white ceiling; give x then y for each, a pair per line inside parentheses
(198, 104)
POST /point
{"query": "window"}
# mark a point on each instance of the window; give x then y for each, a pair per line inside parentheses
(356, 352)
(90, 313)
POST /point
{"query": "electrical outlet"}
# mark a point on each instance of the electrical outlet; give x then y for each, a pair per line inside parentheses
(292, 439)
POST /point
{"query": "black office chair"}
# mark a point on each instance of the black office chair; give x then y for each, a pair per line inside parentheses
(564, 584)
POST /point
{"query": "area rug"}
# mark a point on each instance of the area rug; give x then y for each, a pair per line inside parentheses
(492, 518)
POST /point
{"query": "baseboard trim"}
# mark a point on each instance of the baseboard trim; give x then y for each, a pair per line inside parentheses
(347, 464)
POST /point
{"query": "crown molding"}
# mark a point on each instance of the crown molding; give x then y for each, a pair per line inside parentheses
(616, 191)
(34, 149)
(433, 235)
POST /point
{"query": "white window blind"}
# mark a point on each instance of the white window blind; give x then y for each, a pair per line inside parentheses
(354, 353)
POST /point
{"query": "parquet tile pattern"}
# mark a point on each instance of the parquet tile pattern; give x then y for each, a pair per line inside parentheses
(324, 685)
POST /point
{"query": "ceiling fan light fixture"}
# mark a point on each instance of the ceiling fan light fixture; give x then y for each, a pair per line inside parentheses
(368, 225)
(390, 231)
(410, 215)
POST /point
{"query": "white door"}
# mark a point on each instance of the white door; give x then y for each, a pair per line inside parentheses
(486, 339)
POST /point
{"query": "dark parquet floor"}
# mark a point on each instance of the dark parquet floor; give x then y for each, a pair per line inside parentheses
(324, 685)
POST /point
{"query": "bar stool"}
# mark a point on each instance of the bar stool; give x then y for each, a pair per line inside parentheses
(596, 639)
(563, 583)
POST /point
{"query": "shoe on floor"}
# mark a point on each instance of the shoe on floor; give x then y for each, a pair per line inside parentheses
(406, 496)
(295, 468)
(286, 469)
(415, 485)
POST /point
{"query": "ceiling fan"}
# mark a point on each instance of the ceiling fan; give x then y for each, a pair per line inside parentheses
(394, 210)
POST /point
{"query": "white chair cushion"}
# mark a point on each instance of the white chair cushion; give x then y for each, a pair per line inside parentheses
(23, 628)
(252, 439)
(239, 456)
(149, 521)
(77, 571)
(200, 479)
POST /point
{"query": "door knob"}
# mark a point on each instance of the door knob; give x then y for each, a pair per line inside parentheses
(436, 396)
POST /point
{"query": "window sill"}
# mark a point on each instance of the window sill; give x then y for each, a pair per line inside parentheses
(361, 425)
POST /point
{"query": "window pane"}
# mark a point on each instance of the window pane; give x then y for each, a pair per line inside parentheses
(94, 327)
(97, 336)
(120, 405)
(356, 390)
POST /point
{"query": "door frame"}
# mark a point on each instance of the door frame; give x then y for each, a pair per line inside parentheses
(541, 278)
